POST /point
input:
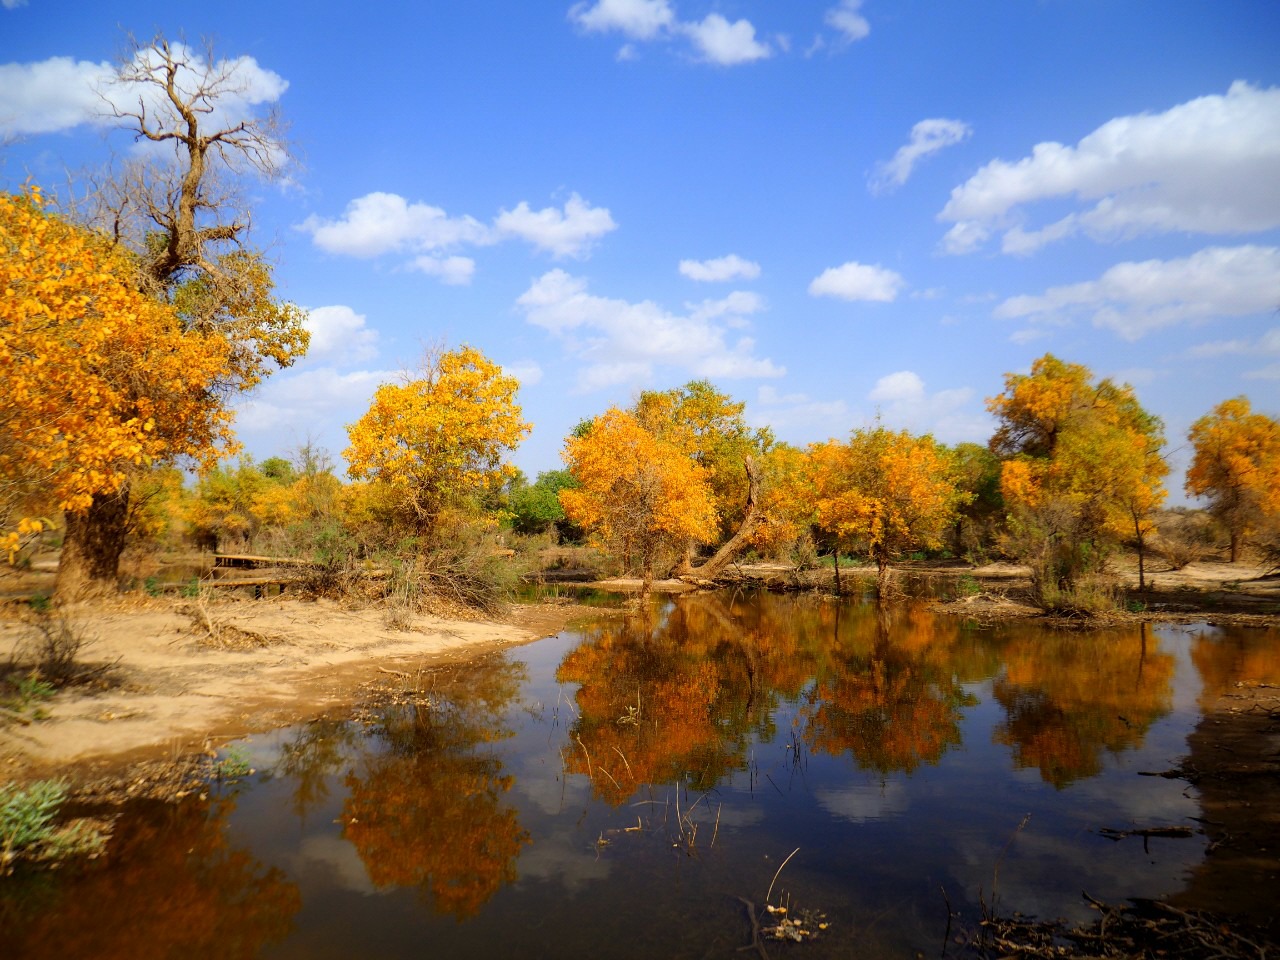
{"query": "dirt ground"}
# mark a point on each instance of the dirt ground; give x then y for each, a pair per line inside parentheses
(173, 689)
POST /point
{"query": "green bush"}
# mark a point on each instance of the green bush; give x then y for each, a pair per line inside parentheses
(28, 829)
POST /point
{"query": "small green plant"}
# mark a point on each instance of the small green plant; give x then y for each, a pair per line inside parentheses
(28, 830)
(152, 586)
(967, 586)
(41, 603)
(233, 765)
(191, 588)
(1135, 606)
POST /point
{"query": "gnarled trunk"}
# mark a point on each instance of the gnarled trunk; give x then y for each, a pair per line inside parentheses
(92, 546)
(720, 559)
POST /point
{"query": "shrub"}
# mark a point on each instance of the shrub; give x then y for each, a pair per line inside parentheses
(28, 830)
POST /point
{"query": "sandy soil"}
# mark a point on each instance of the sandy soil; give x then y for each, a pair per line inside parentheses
(174, 689)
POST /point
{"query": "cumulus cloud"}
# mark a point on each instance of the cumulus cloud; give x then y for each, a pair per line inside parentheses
(731, 267)
(528, 372)
(798, 413)
(570, 232)
(735, 306)
(904, 401)
(454, 271)
(714, 38)
(1207, 165)
(623, 342)
(641, 19)
(52, 95)
(303, 400)
(927, 137)
(379, 223)
(727, 44)
(857, 281)
(61, 93)
(845, 19)
(1135, 298)
(339, 335)
(382, 223)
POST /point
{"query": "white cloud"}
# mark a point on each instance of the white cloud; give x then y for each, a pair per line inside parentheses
(61, 93)
(857, 281)
(379, 223)
(339, 334)
(13, 4)
(307, 398)
(567, 233)
(847, 21)
(715, 39)
(902, 387)
(904, 402)
(526, 371)
(639, 19)
(52, 95)
(736, 305)
(798, 412)
(927, 137)
(731, 267)
(1135, 298)
(620, 341)
(1207, 165)
(454, 271)
(727, 44)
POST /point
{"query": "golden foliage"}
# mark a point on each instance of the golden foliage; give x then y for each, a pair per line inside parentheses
(99, 378)
(1237, 466)
(886, 491)
(1082, 465)
(438, 439)
(637, 491)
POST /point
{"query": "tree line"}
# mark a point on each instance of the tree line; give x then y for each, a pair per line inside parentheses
(134, 313)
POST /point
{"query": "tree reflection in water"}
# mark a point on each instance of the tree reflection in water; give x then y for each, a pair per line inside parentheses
(1068, 697)
(172, 886)
(686, 698)
(425, 804)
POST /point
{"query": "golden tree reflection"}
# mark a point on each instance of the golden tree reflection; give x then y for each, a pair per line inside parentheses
(889, 693)
(1232, 655)
(1069, 697)
(173, 886)
(425, 804)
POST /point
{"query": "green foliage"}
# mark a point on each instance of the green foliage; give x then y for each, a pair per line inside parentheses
(233, 765)
(536, 508)
(28, 828)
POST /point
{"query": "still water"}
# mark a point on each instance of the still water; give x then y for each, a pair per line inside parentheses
(620, 789)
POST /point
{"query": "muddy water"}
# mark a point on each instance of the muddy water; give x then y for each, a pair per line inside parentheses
(621, 790)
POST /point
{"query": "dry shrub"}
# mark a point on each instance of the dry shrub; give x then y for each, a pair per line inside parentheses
(1185, 536)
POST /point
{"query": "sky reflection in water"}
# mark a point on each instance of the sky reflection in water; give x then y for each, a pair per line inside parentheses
(613, 792)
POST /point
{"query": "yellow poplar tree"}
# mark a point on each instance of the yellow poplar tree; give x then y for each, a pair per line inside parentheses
(887, 491)
(433, 442)
(1237, 466)
(638, 494)
(99, 378)
(1081, 469)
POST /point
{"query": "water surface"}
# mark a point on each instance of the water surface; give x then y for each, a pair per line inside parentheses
(620, 789)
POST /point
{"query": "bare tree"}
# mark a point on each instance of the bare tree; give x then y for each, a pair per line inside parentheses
(179, 210)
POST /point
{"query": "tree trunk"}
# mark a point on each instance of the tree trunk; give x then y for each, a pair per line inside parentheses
(92, 546)
(835, 557)
(720, 559)
(1235, 545)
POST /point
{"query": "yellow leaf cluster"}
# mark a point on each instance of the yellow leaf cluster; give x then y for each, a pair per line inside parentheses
(888, 491)
(99, 378)
(1237, 466)
(1087, 448)
(441, 437)
(636, 490)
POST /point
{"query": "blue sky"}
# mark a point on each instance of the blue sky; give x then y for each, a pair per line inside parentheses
(831, 209)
